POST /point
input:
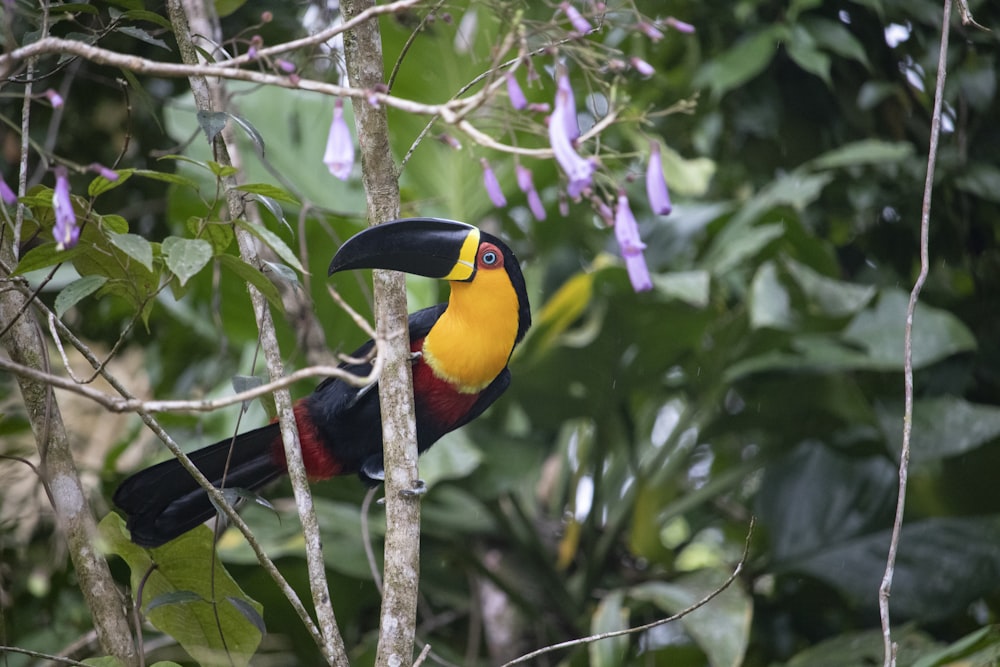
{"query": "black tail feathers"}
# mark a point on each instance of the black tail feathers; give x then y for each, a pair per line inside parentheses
(164, 501)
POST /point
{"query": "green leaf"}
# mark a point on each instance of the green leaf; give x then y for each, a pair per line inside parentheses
(212, 122)
(828, 515)
(851, 649)
(43, 256)
(942, 427)
(173, 597)
(769, 303)
(610, 615)
(937, 334)
(721, 628)
(135, 247)
(728, 253)
(745, 60)
(268, 190)
(835, 37)
(833, 298)
(454, 457)
(100, 185)
(866, 151)
(142, 36)
(115, 224)
(274, 242)
(690, 177)
(254, 277)
(152, 17)
(981, 180)
(166, 177)
(255, 137)
(809, 58)
(76, 291)
(219, 234)
(186, 257)
(186, 565)
(691, 287)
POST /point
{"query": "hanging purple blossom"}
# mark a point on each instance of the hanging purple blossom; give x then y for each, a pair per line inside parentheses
(642, 67)
(514, 92)
(631, 246)
(568, 108)
(650, 30)
(679, 26)
(492, 185)
(339, 155)
(285, 66)
(578, 169)
(6, 194)
(656, 184)
(55, 99)
(527, 186)
(581, 26)
(109, 174)
(66, 231)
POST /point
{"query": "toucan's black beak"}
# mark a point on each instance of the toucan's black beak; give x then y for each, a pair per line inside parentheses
(422, 246)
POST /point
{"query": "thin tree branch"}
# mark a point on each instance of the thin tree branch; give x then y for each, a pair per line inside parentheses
(889, 647)
(114, 403)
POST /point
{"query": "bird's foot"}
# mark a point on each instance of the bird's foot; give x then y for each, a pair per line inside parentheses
(415, 356)
(419, 488)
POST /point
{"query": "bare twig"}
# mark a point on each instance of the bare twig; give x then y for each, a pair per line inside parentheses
(642, 628)
(889, 647)
(120, 404)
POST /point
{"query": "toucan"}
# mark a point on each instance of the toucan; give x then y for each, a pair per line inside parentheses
(460, 351)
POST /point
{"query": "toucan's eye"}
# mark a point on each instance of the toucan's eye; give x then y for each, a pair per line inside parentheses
(490, 257)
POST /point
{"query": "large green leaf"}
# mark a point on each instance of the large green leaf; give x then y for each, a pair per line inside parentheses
(209, 627)
(829, 516)
(743, 61)
(942, 427)
(832, 298)
(937, 334)
(611, 615)
(721, 627)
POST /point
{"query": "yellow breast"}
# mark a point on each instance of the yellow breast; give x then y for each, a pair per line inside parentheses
(471, 342)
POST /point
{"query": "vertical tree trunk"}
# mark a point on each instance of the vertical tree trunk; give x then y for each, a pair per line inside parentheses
(363, 52)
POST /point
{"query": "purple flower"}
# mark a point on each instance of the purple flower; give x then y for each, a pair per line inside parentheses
(580, 25)
(252, 52)
(680, 26)
(656, 184)
(6, 194)
(568, 107)
(527, 186)
(66, 231)
(450, 141)
(631, 246)
(514, 92)
(285, 66)
(541, 107)
(642, 67)
(650, 30)
(339, 155)
(109, 174)
(492, 185)
(578, 169)
(55, 99)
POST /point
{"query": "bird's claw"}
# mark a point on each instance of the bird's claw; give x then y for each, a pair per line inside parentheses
(419, 488)
(415, 356)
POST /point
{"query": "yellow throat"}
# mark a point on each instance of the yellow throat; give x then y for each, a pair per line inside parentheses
(471, 342)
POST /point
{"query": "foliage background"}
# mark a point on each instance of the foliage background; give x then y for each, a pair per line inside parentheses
(614, 483)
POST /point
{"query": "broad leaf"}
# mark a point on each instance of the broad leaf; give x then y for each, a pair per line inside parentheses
(76, 291)
(942, 427)
(184, 572)
(186, 257)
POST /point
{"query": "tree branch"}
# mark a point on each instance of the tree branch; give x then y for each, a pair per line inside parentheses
(211, 97)
(363, 55)
(889, 647)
